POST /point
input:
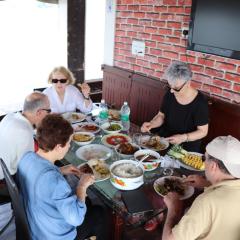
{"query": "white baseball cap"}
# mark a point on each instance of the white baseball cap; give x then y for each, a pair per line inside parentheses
(226, 149)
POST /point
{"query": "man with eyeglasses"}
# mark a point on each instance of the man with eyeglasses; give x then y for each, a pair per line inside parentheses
(215, 213)
(16, 130)
(183, 117)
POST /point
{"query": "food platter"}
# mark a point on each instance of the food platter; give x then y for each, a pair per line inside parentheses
(114, 115)
(154, 143)
(127, 150)
(86, 127)
(99, 168)
(74, 117)
(184, 165)
(111, 127)
(113, 140)
(94, 151)
(83, 138)
(161, 184)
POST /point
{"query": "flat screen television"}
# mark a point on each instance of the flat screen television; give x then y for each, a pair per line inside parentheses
(215, 27)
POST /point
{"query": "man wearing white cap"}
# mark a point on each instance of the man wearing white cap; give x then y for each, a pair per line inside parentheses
(214, 214)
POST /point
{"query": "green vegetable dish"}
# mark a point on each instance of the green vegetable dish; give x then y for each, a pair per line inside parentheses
(113, 127)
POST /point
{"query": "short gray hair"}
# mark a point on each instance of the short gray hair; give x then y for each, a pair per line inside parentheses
(34, 102)
(178, 71)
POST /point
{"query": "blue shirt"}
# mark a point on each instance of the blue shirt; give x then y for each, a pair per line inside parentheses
(53, 211)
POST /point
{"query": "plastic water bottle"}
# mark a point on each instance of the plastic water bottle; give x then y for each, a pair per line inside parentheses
(103, 114)
(125, 114)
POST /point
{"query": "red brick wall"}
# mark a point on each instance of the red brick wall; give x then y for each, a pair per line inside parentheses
(159, 23)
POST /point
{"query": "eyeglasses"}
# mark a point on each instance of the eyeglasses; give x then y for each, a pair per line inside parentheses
(48, 110)
(64, 80)
(178, 89)
(206, 157)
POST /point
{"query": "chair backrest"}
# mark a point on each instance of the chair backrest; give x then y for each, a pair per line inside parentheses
(22, 230)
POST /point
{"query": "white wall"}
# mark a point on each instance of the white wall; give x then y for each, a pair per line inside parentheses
(33, 41)
(109, 32)
(94, 38)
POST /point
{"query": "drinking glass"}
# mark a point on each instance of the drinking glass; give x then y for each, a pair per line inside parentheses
(137, 138)
(167, 171)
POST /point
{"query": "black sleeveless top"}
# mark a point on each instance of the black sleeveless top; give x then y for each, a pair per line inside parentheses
(180, 119)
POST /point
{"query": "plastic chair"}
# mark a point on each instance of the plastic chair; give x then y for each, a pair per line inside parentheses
(22, 229)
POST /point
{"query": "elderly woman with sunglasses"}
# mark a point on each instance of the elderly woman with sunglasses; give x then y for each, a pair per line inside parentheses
(63, 96)
(183, 117)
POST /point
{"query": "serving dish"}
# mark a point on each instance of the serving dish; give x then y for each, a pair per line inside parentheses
(162, 187)
(74, 117)
(86, 127)
(151, 162)
(126, 150)
(111, 127)
(113, 140)
(152, 142)
(184, 165)
(94, 151)
(99, 169)
(83, 138)
(129, 176)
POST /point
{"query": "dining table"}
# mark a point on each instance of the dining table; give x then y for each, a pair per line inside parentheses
(113, 197)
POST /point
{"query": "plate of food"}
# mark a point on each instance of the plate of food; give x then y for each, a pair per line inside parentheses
(83, 138)
(86, 127)
(74, 117)
(98, 168)
(111, 127)
(127, 149)
(164, 185)
(114, 115)
(94, 151)
(189, 160)
(153, 142)
(113, 140)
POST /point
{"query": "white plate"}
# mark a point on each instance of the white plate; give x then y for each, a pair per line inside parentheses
(99, 178)
(74, 117)
(81, 127)
(107, 124)
(81, 143)
(117, 136)
(188, 190)
(122, 155)
(94, 151)
(182, 164)
(145, 138)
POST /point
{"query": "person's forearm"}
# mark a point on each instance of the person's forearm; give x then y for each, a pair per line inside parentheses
(171, 220)
(81, 193)
(195, 135)
(157, 121)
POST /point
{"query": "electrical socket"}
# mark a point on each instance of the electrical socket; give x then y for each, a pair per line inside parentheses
(185, 32)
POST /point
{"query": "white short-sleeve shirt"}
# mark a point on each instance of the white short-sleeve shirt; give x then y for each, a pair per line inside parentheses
(73, 99)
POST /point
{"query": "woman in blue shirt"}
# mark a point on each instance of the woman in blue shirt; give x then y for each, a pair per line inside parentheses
(52, 209)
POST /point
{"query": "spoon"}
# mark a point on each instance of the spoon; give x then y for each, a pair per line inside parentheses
(143, 158)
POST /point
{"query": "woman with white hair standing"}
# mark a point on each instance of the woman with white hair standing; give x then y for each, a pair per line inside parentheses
(63, 96)
(183, 117)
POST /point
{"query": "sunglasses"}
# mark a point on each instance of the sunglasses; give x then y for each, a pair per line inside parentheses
(54, 80)
(178, 89)
(48, 110)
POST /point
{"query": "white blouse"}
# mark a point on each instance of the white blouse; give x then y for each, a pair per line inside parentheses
(73, 99)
